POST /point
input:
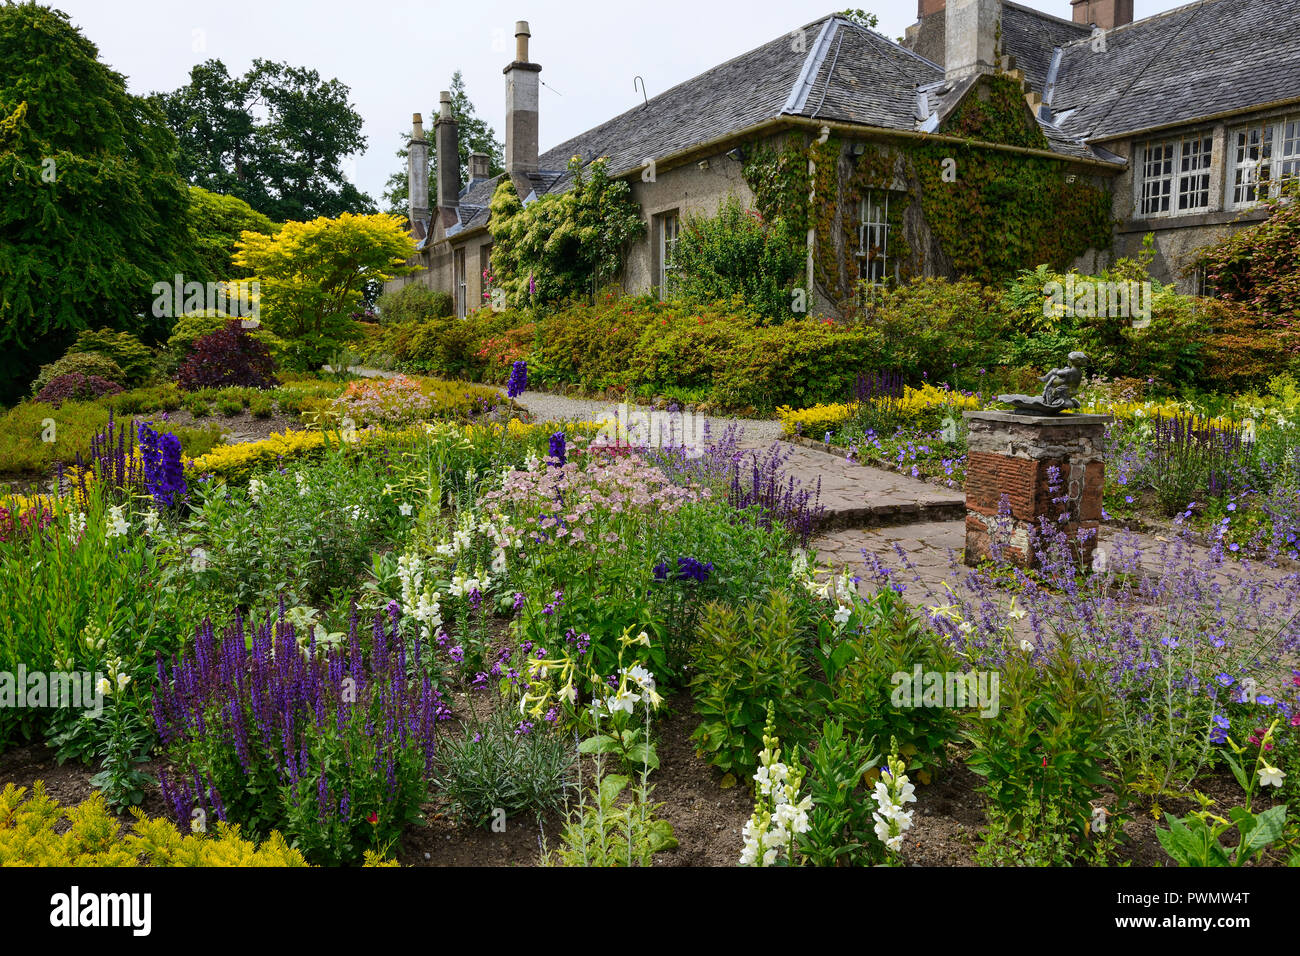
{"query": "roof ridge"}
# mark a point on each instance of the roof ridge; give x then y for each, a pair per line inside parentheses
(1148, 20)
(687, 82)
(877, 35)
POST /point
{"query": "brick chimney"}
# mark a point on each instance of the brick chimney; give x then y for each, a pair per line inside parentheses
(1107, 14)
(417, 173)
(521, 111)
(448, 161)
(971, 30)
(926, 7)
(480, 166)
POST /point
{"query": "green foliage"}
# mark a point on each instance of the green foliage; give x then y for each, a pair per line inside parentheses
(473, 135)
(607, 832)
(885, 639)
(736, 254)
(1259, 265)
(1197, 838)
(135, 359)
(216, 223)
(276, 138)
(933, 324)
(566, 245)
(1045, 751)
(92, 208)
(492, 766)
(839, 824)
(994, 111)
(415, 303)
(743, 658)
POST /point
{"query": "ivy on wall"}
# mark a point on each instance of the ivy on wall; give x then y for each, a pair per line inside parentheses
(994, 111)
(992, 213)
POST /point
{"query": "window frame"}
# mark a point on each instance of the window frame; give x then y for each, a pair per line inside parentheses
(879, 227)
(1277, 155)
(666, 244)
(1179, 182)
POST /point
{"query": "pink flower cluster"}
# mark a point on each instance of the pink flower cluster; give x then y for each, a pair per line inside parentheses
(616, 486)
(387, 401)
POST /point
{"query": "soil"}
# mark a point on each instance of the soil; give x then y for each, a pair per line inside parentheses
(707, 818)
(240, 428)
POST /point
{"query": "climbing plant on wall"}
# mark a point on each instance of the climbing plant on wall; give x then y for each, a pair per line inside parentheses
(994, 111)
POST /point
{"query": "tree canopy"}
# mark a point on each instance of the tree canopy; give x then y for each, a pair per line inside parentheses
(277, 138)
(93, 212)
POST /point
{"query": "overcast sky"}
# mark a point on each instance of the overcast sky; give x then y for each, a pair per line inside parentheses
(396, 55)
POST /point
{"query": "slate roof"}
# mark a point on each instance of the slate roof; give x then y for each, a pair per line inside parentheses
(1193, 62)
(1032, 37)
(839, 72)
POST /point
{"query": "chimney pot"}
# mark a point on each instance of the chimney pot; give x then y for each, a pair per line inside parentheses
(417, 172)
(1107, 14)
(521, 41)
(480, 165)
(522, 82)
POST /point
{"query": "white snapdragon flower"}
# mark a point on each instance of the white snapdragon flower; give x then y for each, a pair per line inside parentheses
(257, 488)
(892, 792)
(117, 524)
(779, 812)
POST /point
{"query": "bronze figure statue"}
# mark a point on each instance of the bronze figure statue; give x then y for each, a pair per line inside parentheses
(1059, 388)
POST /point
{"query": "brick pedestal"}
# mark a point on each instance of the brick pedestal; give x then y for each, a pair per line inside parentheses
(1045, 467)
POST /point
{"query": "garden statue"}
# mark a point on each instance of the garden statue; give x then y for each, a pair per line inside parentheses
(1059, 388)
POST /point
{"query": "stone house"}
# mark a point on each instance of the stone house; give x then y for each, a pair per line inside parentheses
(993, 136)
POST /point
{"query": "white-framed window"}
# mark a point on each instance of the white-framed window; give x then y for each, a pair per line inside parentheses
(1264, 156)
(1176, 175)
(458, 280)
(669, 226)
(875, 267)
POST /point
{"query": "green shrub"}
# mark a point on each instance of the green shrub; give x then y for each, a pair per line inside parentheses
(932, 325)
(156, 398)
(131, 355)
(736, 254)
(261, 406)
(197, 406)
(745, 657)
(414, 303)
(860, 668)
(229, 406)
(25, 428)
(1045, 751)
(592, 346)
(84, 363)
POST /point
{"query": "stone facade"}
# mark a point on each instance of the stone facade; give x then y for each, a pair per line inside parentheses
(1022, 469)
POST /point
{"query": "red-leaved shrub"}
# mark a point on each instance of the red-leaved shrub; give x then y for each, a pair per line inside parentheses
(75, 387)
(228, 357)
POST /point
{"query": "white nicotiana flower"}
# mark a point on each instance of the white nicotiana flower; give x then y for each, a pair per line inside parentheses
(623, 700)
(1026, 646)
(150, 521)
(843, 614)
(1270, 776)
(405, 510)
(117, 525)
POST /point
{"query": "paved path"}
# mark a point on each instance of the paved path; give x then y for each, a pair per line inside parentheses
(855, 496)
